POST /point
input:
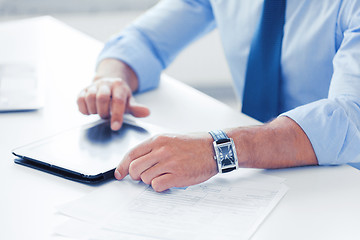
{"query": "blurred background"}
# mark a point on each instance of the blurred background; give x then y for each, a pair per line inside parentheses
(202, 65)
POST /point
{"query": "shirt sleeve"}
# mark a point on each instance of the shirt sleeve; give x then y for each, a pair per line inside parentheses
(333, 124)
(151, 43)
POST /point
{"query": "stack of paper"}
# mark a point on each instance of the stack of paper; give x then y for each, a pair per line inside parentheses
(229, 206)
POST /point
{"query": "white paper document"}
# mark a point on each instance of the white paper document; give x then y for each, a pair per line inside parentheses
(230, 206)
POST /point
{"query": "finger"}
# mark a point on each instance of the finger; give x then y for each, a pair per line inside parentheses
(142, 164)
(123, 168)
(81, 103)
(137, 110)
(118, 104)
(163, 182)
(103, 101)
(151, 172)
(90, 99)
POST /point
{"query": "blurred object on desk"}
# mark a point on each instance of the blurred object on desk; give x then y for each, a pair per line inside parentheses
(19, 90)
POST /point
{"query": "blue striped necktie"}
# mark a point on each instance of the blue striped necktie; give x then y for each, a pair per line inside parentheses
(262, 81)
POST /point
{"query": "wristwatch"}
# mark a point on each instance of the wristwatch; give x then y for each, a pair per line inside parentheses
(225, 152)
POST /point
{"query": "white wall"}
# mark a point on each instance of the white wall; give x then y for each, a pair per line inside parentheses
(8, 7)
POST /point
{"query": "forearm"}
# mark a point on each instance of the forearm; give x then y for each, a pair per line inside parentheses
(113, 68)
(278, 144)
(167, 161)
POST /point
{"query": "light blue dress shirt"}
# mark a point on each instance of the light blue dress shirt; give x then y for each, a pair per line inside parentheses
(320, 61)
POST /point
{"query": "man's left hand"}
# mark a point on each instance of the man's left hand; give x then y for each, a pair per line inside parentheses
(167, 161)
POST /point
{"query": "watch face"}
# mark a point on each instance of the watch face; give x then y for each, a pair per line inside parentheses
(226, 155)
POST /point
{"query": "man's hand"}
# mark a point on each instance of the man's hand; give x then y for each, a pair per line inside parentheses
(169, 161)
(182, 160)
(110, 95)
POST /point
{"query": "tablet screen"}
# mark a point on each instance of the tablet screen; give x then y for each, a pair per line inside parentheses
(89, 150)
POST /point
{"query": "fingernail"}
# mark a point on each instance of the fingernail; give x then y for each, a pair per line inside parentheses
(92, 89)
(115, 126)
(117, 175)
(82, 93)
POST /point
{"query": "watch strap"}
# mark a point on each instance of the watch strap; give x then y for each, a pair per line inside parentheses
(228, 169)
(218, 135)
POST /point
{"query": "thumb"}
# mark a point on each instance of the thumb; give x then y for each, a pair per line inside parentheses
(122, 170)
(137, 110)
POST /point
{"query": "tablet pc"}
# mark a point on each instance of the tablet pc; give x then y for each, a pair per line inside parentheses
(87, 154)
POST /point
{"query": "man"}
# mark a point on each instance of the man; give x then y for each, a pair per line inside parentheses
(317, 89)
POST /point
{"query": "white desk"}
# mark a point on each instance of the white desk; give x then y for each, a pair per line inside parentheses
(322, 203)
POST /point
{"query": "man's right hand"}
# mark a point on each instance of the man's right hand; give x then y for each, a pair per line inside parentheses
(110, 95)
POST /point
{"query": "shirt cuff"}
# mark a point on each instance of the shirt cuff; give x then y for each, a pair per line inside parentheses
(331, 126)
(130, 47)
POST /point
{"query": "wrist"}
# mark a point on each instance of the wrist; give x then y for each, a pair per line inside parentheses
(278, 144)
(113, 68)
